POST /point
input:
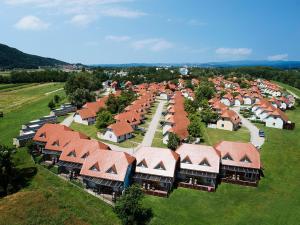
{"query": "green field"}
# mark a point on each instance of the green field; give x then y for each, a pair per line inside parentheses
(216, 135)
(290, 88)
(12, 99)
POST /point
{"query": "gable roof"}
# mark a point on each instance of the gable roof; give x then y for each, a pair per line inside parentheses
(154, 157)
(112, 165)
(197, 155)
(121, 128)
(238, 150)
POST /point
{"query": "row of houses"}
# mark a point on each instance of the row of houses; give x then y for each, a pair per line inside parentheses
(176, 118)
(157, 170)
(128, 121)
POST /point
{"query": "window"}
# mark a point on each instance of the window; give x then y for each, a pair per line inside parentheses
(222, 125)
(43, 135)
(227, 157)
(160, 166)
(112, 170)
(143, 164)
(55, 143)
(72, 154)
(95, 167)
(85, 155)
(204, 162)
(187, 160)
(245, 159)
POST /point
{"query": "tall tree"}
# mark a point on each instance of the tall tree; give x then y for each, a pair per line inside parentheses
(80, 96)
(6, 167)
(173, 141)
(104, 119)
(129, 207)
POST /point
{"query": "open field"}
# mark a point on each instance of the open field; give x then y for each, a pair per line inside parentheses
(290, 88)
(275, 201)
(12, 99)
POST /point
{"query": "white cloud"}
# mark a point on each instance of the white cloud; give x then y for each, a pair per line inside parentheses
(82, 19)
(31, 23)
(233, 52)
(122, 12)
(152, 44)
(196, 23)
(278, 57)
(117, 38)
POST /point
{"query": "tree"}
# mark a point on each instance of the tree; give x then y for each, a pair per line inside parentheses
(80, 96)
(173, 141)
(208, 115)
(51, 104)
(112, 104)
(190, 106)
(56, 98)
(6, 167)
(104, 119)
(194, 128)
(129, 207)
(204, 91)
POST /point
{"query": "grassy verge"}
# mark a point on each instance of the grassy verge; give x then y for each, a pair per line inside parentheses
(216, 135)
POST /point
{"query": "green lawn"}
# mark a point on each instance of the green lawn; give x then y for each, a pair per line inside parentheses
(158, 140)
(216, 135)
(48, 200)
(13, 99)
(290, 88)
(275, 201)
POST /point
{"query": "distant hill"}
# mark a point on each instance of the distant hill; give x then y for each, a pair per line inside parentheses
(11, 58)
(275, 64)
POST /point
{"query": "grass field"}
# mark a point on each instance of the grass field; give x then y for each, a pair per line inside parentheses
(216, 135)
(290, 88)
(12, 99)
(275, 201)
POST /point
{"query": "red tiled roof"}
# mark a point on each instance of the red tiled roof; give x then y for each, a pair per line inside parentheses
(121, 128)
(238, 151)
(104, 161)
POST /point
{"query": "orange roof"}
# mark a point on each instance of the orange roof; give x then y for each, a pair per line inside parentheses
(278, 112)
(157, 161)
(232, 115)
(121, 128)
(238, 154)
(86, 113)
(192, 156)
(48, 130)
(78, 150)
(109, 165)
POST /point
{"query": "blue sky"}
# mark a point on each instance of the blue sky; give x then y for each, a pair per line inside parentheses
(126, 31)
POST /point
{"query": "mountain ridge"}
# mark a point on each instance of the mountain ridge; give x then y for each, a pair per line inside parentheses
(12, 58)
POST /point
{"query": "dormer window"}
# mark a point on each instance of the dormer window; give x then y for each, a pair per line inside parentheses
(204, 162)
(72, 154)
(85, 155)
(142, 164)
(43, 135)
(245, 159)
(187, 160)
(160, 166)
(112, 170)
(227, 157)
(95, 167)
(55, 143)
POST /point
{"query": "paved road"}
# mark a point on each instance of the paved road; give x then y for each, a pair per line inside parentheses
(255, 139)
(48, 93)
(68, 120)
(148, 138)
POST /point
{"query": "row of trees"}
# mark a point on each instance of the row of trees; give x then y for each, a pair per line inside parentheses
(35, 76)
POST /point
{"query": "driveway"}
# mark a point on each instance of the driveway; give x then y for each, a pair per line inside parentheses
(68, 120)
(255, 139)
(148, 138)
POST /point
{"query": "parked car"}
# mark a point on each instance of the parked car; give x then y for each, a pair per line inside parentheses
(261, 133)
